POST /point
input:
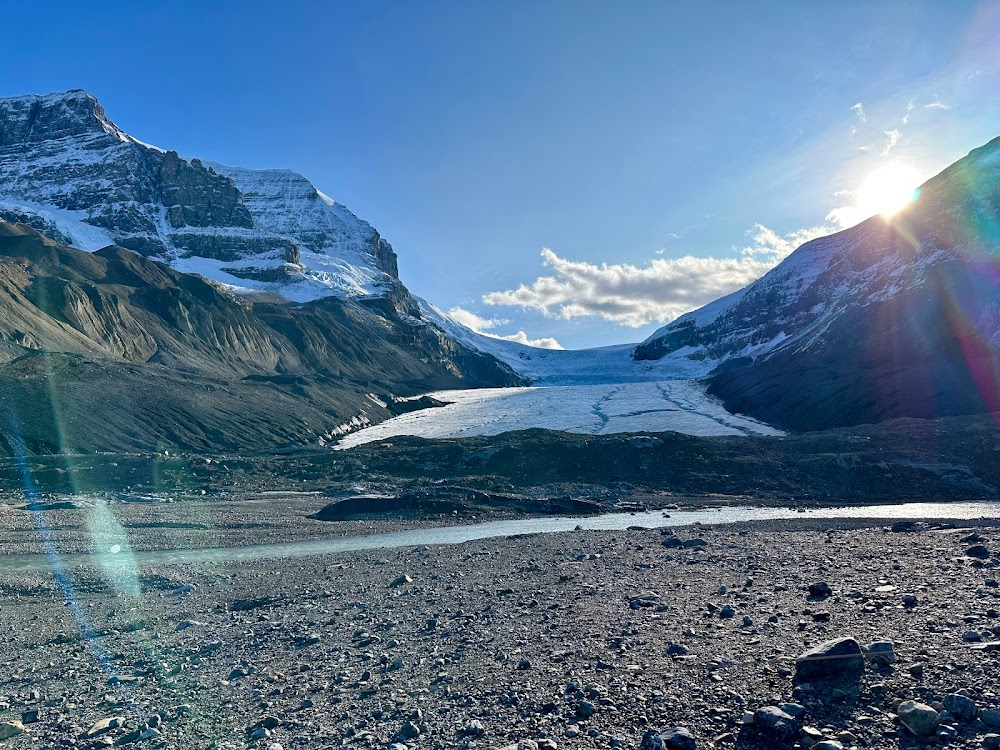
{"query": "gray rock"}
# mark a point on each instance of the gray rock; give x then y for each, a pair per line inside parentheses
(840, 657)
(9, 729)
(776, 723)
(675, 738)
(828, 745)
(978, 551)
(990, 717)
(474, 728)
(960, 707)
(409, 731)
(881, 652)
(820, 590)
(919, 718)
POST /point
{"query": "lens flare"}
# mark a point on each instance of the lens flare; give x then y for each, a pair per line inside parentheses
(887, 190)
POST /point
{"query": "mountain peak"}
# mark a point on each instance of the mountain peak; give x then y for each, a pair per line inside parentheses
(48, 117)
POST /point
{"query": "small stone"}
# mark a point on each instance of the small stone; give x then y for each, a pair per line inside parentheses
(185, 624)
(919, 718)
(727, 612)
(260, 733)
(400, 581)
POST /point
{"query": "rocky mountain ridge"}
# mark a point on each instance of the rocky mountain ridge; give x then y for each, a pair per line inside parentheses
(67, 170)
(112, 351)
(895, 317)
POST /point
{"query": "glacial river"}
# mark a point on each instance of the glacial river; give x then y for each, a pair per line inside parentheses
(432, 536)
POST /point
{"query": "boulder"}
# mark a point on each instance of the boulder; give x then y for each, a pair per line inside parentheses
(919, 718)
(840, 657)
(774, 722)
(675, 738)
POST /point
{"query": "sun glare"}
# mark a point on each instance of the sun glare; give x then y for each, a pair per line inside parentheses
(887, 190)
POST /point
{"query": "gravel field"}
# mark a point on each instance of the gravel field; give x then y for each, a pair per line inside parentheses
(584, 639)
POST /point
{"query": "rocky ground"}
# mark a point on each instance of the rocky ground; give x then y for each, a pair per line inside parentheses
(574, 640)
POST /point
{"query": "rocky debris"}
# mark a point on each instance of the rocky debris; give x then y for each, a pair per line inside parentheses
(328, 655)
(840, 657)
(919, 718)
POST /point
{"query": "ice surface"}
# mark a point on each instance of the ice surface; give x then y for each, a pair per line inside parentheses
(667, 406)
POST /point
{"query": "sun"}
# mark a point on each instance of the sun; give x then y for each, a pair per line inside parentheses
(887, 190)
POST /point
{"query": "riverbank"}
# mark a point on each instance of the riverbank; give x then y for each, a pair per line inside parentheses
(581, 639)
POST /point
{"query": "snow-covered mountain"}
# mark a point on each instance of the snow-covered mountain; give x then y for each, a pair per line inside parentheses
(69, 171)
(894, 317)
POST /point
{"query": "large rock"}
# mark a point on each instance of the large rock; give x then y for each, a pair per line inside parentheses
(10, 729)
(774, 722)
(676, 738)
(919, 718)
(840, 657)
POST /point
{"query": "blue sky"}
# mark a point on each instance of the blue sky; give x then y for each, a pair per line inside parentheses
(663, 152)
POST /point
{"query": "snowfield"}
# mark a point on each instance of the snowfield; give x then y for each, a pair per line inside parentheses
(665, 406)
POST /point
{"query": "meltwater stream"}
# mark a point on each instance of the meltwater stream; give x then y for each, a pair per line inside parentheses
(431, 536)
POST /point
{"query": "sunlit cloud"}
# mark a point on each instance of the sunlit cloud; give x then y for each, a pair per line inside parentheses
(937, 105)
(522, 338)
(910, 106)
(892, 138)
(482, 325)
(477, 323)
(660, 291)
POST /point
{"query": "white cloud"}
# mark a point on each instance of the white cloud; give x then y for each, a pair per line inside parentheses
(859, 110)
(937, 105)
(660, 291)
(910, 106)
(892, 138)
(481, 325)
(522, 338)
(476, 322)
